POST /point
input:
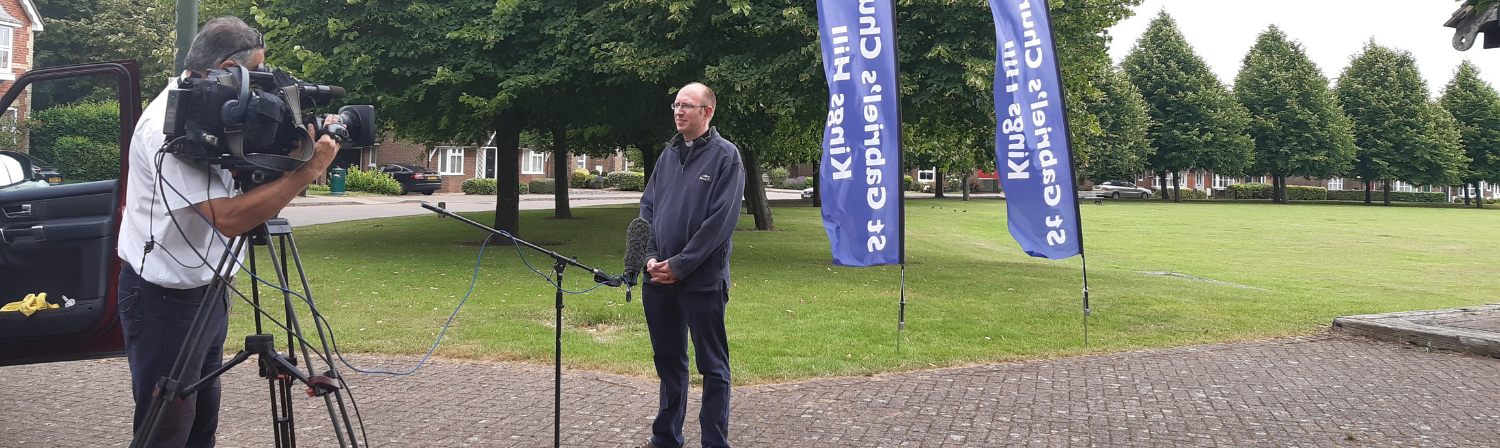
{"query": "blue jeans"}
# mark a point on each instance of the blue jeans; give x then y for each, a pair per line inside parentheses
(671, 315)
(156, 322)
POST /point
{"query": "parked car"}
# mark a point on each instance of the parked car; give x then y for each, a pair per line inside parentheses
(41, 170)
(807, 193)
(414, 178)
(1118, 188)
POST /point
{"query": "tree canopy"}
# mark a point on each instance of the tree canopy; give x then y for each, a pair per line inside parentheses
(1476, 106)
(1196, 123)
(1401, 134)
(1297, 124)
(1121, 150)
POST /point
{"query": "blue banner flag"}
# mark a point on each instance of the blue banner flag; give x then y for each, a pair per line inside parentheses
(860, 177)
(1032, 152)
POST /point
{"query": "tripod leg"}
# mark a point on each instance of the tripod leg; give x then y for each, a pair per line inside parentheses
(337, 395)
(169, 388)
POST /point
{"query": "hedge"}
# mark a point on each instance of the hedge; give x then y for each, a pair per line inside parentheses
(98, 122)
(1305, 193)
(1378, 195)
(479, 186)
(543, 186)
(81, 159)
(1187, 193)
(777, 177)
(629, 180)
(911, 184)
(579, 178)
(371, 182)
(1267, 191)
(613, 179)
(489, 187)
(1250, 191)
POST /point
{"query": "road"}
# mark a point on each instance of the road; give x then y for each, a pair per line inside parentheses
(305, 211)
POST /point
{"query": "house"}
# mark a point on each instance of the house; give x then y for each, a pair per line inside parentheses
(458, 163)
(19, 23)
(1215, 184)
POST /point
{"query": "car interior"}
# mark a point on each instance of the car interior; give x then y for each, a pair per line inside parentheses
(56, 240)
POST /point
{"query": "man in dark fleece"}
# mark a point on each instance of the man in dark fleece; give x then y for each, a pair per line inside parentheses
(693, 203)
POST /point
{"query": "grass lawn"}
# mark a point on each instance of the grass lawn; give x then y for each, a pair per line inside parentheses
(388, 285)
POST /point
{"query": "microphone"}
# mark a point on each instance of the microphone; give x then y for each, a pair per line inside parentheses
(637, 237)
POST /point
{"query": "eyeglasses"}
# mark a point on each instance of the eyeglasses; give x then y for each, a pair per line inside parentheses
(689, 107)
(260, 42)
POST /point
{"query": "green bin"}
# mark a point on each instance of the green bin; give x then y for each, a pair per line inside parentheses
(336, 181)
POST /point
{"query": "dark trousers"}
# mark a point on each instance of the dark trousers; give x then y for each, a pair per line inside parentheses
(156, 322)
(671, 315)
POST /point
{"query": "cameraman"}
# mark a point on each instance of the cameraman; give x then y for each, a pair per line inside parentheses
(178, 220)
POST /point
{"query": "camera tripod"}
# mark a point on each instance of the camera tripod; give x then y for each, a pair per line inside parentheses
(280, 370)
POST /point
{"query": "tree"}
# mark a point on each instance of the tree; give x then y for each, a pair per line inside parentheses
(80, 31)
(446, 71)
(1121, 150)
(1298, 127)
(1196, 123)
(1476, 106)
(1401, 134)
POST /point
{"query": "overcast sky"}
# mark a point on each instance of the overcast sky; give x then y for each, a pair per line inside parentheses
(1331, 32)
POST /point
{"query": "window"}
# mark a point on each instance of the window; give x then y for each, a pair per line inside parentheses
(534, 163)
(1403, 186)
(1224, 181)
(1336, 183)
(5, 46)
(582, 162)
(1199, 177)
(926, 176)
(450, 161)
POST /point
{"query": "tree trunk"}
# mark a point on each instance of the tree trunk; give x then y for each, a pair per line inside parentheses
(937, 182)
(965, 187)
(508, 174)
(817, 179)
(1478, 195)
(1176, 188)
(1387, 189)
(561, 172)
(650, 152)
(1162, 181)
(1279, 188)
(755, 193)
(1368, 186)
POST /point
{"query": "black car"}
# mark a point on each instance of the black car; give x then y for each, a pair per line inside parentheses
(41, 170)
(414, 178)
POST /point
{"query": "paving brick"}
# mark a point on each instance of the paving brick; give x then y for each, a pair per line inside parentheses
(1319, 391)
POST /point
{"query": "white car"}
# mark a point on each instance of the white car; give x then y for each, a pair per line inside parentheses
(1116, 189)
(807, 193)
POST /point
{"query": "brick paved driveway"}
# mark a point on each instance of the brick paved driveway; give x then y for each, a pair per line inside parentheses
(1321, 391)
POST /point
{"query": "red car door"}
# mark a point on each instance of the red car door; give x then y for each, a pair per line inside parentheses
(60, 240)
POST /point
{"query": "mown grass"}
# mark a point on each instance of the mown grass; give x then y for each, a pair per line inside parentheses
(388, 285)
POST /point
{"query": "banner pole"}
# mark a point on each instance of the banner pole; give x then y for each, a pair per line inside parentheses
(900, 164)
(901, 318)
(1073, 168)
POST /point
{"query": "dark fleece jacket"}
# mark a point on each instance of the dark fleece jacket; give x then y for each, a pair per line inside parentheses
(693, 203)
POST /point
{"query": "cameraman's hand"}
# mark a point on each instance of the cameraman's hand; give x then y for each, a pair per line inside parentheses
(323, 151)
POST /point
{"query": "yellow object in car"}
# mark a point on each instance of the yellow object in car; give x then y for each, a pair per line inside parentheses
(31, 304)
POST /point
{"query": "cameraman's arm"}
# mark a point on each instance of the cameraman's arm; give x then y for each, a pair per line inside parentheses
(236, 215)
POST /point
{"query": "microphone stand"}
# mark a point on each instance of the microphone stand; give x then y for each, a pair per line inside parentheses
(559, 263)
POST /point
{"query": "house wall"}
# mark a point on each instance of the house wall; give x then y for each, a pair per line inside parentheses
(20, 56)
(396, 151)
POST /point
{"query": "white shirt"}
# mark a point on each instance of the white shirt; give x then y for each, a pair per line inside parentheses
(151, 209)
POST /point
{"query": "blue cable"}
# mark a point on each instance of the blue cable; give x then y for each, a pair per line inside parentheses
(319, 315)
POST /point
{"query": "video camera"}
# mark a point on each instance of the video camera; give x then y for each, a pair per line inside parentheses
(252, 120)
